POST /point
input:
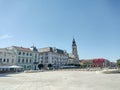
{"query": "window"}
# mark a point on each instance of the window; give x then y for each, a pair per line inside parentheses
(4, 60)
(46, 58)
(22, 60)
(30, 54)
(19, 60)
(23, 53)
(46, 61)
(30, 60)
(19, 53)
(27, 60)
(27, 54)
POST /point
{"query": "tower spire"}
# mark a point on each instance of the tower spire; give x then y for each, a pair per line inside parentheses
(74, 51)
(73, 42)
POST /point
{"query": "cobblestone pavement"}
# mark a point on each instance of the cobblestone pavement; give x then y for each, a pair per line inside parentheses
(60, 80)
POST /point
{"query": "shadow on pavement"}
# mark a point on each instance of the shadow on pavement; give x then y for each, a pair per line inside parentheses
(4, 75)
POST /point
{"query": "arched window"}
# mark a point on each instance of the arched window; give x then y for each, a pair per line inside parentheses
(27, 54)
(22, 60)
(30, 60)
(26, 60)
(18, 60)
(4, 60)
(23, 53)
(19, 53)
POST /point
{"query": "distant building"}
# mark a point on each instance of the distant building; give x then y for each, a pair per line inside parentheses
(26, 57)
(100, 62)
(35, 56)
(30, 58)
(97, 62)
(74, 57)
(113, 65)
(71, 59)
(54, 56)
(87, 62)
(7, 57)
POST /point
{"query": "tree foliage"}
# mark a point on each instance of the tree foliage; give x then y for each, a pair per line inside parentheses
(40, 66)
(50, 65)
(118, 62)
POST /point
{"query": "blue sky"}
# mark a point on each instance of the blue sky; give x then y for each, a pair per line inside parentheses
(95, 24)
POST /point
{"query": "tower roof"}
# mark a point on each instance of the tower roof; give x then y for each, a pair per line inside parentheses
(73, 42)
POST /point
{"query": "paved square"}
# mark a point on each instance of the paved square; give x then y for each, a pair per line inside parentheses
(60, 80)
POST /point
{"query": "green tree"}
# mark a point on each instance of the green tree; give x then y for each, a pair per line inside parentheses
(84, 65)
(78, 65)
(50, 66)
(40, 66)
(118, 63)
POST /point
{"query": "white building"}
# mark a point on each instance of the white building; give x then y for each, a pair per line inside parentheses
(35, 57)
(29, 58)
(26, 57)
(7, 57)
(54, 56)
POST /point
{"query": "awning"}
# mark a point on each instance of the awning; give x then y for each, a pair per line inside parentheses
(15, 66)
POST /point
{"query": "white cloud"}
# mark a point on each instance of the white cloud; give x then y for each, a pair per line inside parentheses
(5, 36)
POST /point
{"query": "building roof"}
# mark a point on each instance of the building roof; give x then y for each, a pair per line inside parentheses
(47, 49)
(33, 48)
(85, 60)
(60, 51)
(51, 49)
(22, 49)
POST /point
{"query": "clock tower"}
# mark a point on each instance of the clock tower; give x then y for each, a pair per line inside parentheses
(74, 52)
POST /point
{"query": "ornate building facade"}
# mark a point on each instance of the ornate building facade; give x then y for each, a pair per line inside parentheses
(52, 55)
(7, 57)
(26, 57)
(30, 58)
